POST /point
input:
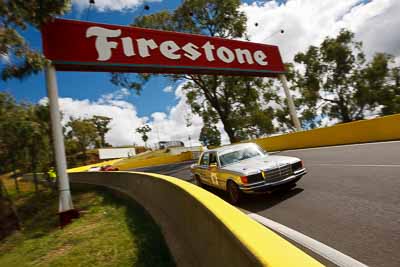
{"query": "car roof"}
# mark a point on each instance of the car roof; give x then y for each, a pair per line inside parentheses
(229, 147)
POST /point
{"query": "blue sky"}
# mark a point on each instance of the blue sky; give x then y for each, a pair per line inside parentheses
(85, 85)
(306, 22)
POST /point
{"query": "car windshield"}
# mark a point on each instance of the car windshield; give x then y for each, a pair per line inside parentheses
(233, 156)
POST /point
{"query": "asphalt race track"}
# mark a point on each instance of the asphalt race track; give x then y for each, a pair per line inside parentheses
(349, 200)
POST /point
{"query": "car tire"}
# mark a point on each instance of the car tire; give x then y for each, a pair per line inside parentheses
(234, 193)
(197, 181)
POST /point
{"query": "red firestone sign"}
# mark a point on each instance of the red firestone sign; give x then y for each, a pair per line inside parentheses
(83, 46)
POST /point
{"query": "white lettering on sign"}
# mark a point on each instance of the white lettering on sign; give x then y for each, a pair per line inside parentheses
(103, 46)
(208, 48)
(244, 53)
(170, 49)
(191, 51)
(259, 56)
(144, 46)
(127, 45)
(225, 54)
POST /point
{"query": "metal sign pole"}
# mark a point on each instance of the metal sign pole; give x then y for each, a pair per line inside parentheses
(66, 208)
(292, 109)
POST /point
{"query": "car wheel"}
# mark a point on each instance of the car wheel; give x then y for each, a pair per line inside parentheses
(234, 193)
(197, 181)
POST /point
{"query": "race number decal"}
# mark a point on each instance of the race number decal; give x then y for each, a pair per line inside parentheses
(214, 178)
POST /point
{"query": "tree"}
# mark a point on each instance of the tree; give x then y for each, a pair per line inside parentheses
(231, 100)
(143, 131)
(10, 146)
(210, 136)
(101, 123)
(389, 96)
(17, 16)
(24, 137)
(338, 81)
(83, 132)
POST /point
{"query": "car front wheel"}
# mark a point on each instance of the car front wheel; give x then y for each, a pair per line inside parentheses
(234, 193)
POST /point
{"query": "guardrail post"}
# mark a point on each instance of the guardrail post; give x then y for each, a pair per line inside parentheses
(66, 208)
(292, 108)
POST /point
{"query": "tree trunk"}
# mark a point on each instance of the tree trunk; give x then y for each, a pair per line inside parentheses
(33, 167)
(102, 140)
(344, 111)
(229, 131)
(15, 174)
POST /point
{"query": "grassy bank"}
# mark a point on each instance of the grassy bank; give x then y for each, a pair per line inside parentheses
(112, 231)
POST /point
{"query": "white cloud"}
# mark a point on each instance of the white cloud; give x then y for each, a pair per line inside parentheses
(308, 22)
(168, 89)
(123, 114)
(172, 126)
(125, 120)
(4, 58)
(117, 95)
(111, 5)
(305, 22)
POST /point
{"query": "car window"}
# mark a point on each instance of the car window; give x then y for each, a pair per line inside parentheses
(205, 159)
(213, 158)
(238, 155)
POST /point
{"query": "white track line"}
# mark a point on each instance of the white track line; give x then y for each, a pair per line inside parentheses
(317, 247)
(344, 145)
(355, 165)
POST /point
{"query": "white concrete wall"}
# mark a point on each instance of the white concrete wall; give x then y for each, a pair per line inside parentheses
(115, 153)
(179, 150)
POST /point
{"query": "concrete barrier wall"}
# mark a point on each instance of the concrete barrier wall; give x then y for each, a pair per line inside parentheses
(127, 164)
(130, 164)
(381, 129)
(199, 227)
(87, 167)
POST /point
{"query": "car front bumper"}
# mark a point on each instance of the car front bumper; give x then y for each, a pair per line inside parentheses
(265, 186)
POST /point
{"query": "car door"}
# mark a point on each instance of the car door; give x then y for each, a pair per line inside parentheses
(203, 168)
(212, 173)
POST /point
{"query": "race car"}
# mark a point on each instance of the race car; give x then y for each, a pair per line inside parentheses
(246, 168)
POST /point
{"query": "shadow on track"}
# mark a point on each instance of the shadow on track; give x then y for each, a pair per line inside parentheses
(256, 203)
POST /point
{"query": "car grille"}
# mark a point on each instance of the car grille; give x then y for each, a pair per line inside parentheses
(277, 174)
(280, 173)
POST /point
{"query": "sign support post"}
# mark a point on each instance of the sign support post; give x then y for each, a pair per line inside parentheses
(292, 109)
(66, 208)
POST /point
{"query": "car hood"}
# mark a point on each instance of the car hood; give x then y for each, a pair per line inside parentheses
(255, 165)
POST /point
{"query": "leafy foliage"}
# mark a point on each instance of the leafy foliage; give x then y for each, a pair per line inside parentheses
(143, 131)
(83, 132)
(235, 101)
(17, 16)
(338, 78)
(25, 142)
(101, 123)
(210, 136)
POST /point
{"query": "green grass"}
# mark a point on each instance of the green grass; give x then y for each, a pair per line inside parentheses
(112, 231)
